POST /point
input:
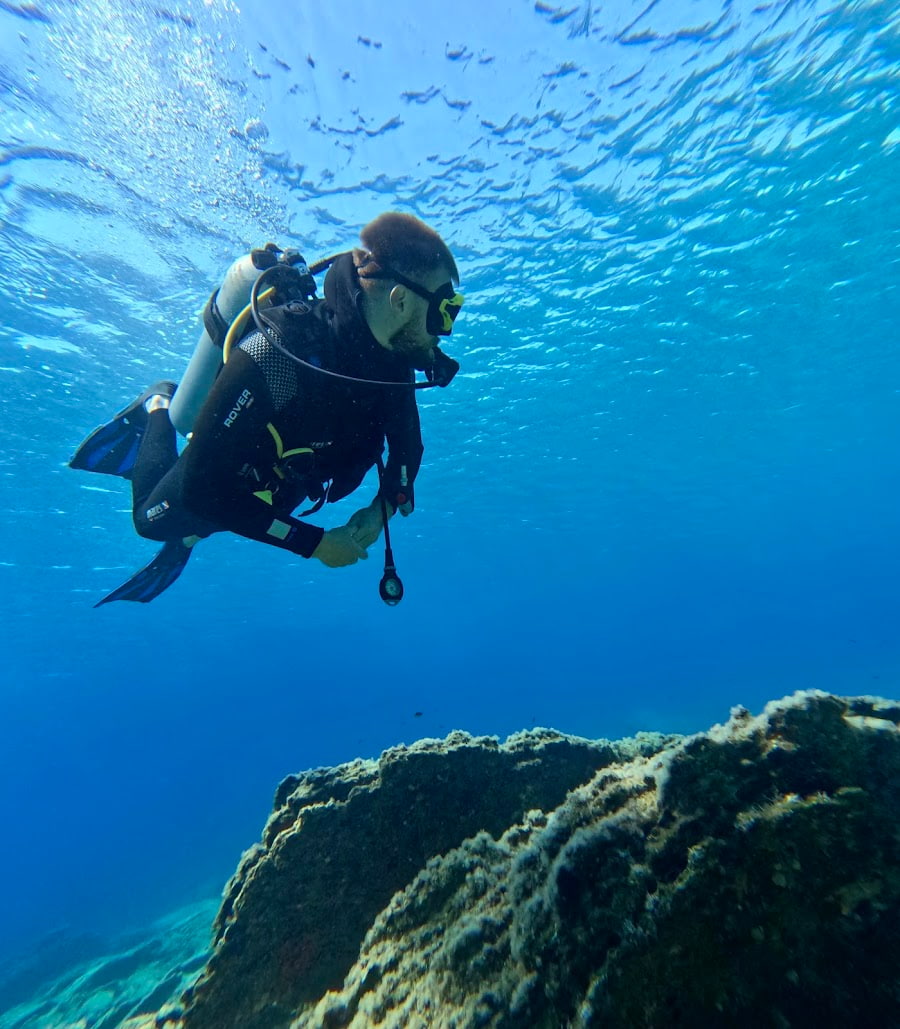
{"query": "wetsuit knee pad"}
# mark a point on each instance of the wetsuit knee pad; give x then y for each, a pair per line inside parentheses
(151, 524)
(162, 515)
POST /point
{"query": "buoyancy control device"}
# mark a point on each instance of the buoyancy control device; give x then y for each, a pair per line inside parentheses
(228, 312)
(223, 308)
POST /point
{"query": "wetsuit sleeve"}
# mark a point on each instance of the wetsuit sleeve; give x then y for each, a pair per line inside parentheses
(405, 449)
(231, 438)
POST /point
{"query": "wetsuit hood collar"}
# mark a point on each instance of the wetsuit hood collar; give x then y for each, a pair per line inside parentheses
(345, 298)
(344, 295)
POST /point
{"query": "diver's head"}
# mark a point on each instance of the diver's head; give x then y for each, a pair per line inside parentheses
(407, 274)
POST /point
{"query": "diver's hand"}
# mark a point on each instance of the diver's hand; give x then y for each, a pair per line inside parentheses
(339, 548)
(366, 525)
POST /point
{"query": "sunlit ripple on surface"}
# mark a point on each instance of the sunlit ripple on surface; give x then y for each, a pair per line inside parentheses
(646, 202)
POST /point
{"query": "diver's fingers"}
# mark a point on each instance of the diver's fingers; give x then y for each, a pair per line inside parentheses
(365, 538)
(338, 548)
(355, 551)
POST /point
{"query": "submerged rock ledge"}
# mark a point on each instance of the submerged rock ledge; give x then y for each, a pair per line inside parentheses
(748, 875)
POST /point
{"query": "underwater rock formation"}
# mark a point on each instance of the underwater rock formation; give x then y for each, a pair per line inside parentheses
(342, 842)
(749, 875)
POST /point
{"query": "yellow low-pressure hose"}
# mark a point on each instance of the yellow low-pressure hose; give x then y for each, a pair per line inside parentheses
(236, 329)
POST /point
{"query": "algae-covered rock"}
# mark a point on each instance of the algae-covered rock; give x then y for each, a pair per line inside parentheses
(341, 842)
(745, 876)
(749, 875)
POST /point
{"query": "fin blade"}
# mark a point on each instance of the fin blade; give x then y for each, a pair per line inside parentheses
(111, 450)
(154, 578)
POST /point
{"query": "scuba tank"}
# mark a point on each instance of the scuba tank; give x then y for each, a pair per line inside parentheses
(223, 307)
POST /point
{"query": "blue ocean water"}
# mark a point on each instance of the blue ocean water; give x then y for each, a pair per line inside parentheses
(665, 481)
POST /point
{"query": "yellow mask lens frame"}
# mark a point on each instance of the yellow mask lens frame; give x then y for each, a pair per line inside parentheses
(448, 316)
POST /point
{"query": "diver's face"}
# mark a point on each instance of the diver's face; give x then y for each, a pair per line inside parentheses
(412, 339)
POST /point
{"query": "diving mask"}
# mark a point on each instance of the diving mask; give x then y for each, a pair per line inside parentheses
(444, 304)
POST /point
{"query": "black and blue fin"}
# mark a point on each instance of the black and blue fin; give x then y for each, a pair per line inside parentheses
(153, 579)
(112, 448)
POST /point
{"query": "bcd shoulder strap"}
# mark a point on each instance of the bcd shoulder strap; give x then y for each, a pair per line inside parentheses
(215, 325)
(302, 331)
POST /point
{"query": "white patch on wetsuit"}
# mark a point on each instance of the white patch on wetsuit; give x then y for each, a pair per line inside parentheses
(157, 511)
(280, 530)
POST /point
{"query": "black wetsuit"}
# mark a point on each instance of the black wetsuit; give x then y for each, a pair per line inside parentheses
(274, 433)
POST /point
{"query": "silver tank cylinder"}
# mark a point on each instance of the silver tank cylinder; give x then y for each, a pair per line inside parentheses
(204, 365)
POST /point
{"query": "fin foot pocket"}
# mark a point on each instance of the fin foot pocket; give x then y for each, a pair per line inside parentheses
(112, 448)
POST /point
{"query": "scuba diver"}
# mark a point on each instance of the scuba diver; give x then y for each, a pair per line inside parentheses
(289, 399)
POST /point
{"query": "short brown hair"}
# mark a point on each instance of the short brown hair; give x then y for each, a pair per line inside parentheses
(406, 244)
